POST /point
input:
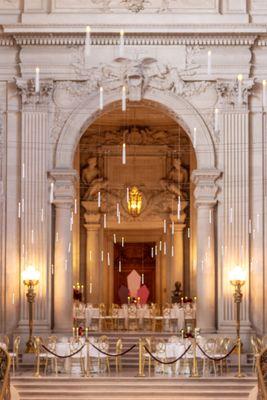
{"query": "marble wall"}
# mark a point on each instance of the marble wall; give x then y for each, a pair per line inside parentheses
(40, 133)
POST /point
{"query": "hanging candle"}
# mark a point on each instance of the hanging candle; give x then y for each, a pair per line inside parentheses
(22, 205)
(264, 93)
(165, 248)
(179, 208)
(240, 81)
(127, 195)
(42, 215)
(13, 298)
(210, 216)
(172, 251)
(160, 245)
(101, 98)
(249, 226)
(105, 220)
(156, 250)
(216, 120)
(142, 279)
(90, 255)
(99, 199)
(165, 226)
(52, 192)
(75, 206)
(172, 227)
(102, 255)
(69, 248)
(122, 242)
(37, 80)
(19, 210)
(123, 99)
(209, 63)
(152, 252)
(23, 170)
(124, 153)
(87, 47)
(108, 256)
(114, 238)
(188, 233)
(90, 287)
(119, 265)
(119, 219)
(195, 137)
(121, 42)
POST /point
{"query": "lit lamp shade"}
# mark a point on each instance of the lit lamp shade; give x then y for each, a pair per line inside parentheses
(30, 276)
(237, 276)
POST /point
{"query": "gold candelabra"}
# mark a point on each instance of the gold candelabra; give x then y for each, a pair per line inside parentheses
(30, 279)
(238, 279)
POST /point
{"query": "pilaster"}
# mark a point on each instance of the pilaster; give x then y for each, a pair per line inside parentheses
(33, 207)
(233, 220)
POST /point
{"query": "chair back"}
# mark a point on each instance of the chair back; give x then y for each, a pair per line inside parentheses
(16, 344)
(119, 346)
(102, 310)
(262, 374)
(5, 363)
(103, 343)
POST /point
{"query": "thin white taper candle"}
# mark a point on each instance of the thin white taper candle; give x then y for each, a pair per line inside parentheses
(37, 80)
(101, 98)
(124, 153)
(123, 98)
(209, 63)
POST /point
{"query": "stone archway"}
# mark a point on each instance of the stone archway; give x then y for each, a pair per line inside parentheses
(204, 177)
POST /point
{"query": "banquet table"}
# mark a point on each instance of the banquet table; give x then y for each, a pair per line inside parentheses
(63, 349)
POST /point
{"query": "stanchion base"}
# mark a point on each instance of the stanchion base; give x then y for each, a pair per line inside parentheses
(140, 375)
(240, 375)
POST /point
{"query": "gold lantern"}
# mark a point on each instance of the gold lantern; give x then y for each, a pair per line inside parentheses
(134, 201)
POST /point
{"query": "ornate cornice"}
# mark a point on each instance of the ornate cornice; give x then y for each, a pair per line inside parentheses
(131, 39)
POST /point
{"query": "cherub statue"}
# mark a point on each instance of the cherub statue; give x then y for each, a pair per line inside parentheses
(90, 177)
(177, 176)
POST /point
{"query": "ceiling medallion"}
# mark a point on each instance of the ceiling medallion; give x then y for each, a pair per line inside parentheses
(135, 202)
(134, 5)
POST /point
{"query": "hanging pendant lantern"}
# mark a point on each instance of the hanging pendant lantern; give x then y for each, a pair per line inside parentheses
(135, 202)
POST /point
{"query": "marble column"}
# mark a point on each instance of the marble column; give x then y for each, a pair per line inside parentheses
(205, 201)
(177, 259)
(64, 195)
(92, 262)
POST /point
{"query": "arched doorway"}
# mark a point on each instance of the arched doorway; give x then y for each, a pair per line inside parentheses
(159, 160)
(205, 193)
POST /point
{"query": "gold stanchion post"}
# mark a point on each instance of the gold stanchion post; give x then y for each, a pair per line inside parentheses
(237, 279)
(141, 373)
(195, 368)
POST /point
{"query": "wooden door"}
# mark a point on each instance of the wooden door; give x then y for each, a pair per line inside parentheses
(134, 256)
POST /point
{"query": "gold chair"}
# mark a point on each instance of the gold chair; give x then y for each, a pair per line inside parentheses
(5, 340)
(210, 349)
(51, 344)
(75, 344)
(119, 348)
(256, 351)
(14, 355)
(39, 355)
(103, 344)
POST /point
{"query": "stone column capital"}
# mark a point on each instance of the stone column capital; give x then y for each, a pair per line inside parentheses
(206, 188)
(28, 95)
(229, 95)
(92, 227)
(64, 185)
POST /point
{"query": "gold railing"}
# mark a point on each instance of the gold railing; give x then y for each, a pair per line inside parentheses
(262, 375)
(5, 363)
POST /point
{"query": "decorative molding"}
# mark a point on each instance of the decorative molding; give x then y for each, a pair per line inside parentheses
(28, 94)
(228, 92)
(133, 136)
(206, 187)
(130, 39)
(64, 189)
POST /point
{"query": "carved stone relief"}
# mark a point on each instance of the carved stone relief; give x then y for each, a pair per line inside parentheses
(228, 92)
